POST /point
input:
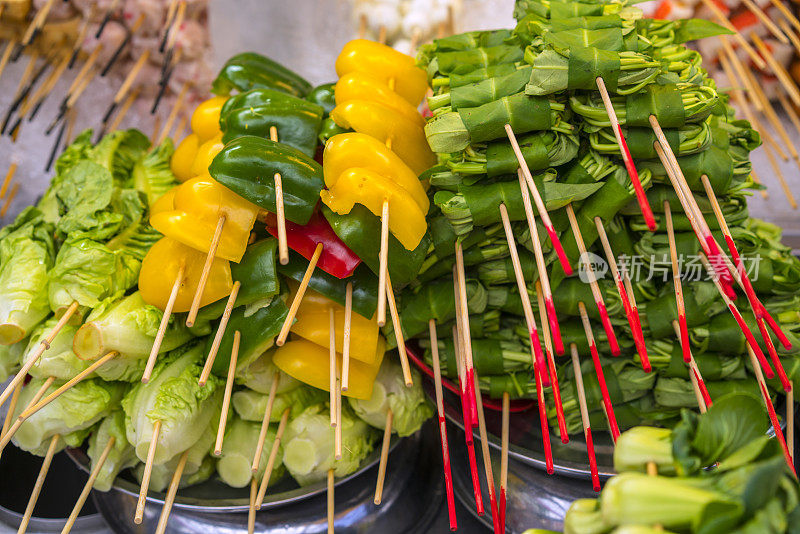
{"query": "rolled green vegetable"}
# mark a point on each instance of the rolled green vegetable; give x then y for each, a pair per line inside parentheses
(690, 139)
(59, 360)
(701, 303)
(121, 455)
(482, 92)
(161, 475)
(722, 334)
(241, 440)
(468, 59)
(490, 356)
(259, 374)
(250, 405)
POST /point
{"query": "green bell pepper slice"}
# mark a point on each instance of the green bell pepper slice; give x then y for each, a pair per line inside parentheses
(323, 96)
(249, 70)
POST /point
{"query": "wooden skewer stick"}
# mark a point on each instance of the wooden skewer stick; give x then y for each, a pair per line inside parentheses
(543, 424)
(676, 277)
(201, 285)
(6, 438)
(171, 10)
(348, 318)
(251, 512)
(437, 382)
(172, 32)
(587, 428)
(123, 111)
(262, 435)
(87, 488)
(36, 24)
(777, 69)
(67, 385)
(283, 247)
(387, 439)
(223, 324)
(111, 9)
(332, 366)
(156, 128)
(551, 367)
(786, 12)
(383, 263)
(169, 67)
(171, 492)
(787, 190)
(398, 334)
(88, 65)
(127, 83)
(773, 417)
(273, 455)
(226, 399)
(630, 310)
(598, 368)
(337, 432)
(6, 55)
(766, 21)
(487, 459)
(504, 432)
(698, 384)
(331, 503)
(162, 327)
(641, 196)
(118, 52)
(757, 181)
(723, 20)
(473, 464)
(35, 101)
(537, 198)
(541, 267)
(9, 200)
(37, 487)
(789, 109)
(462, 320)
(12, 407)
(12, 169)
(173, 113)
(43, 346)
(362, 25)
(148, 469)
(298, 297)
(595, 287)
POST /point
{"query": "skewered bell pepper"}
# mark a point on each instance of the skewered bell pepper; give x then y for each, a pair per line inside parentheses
(349, 150)
(313, 323)
(206, 118)
(297, 121)
(387, 64)
(197, 208)
(160, 268)
(183, 158)
(365, 86)
(336, 259)
(249, 70)
(205, 155)
(165, 202)
(385, 124)
(310, 363)
(363, 186)
(323, 96)
(247, 166)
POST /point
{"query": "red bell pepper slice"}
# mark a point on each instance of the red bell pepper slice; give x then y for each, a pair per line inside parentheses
(336, 258)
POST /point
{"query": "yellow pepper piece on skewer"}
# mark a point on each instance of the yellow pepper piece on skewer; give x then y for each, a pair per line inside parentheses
(365, 86)
(198, 206)
(206, 153)
(348, 150)
(310, 363)
(385, 63)
(386, 125)
(363, 186)
(183, 158)
(160, 268)
(205, 119)
(165, 202)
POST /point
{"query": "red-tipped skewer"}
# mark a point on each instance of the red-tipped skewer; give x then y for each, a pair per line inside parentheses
(699, 385)
(587, 428)
(676, 277)
(551, 366)
(462, 320)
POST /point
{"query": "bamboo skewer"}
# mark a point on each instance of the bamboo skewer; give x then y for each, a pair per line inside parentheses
(173, 113)
(551, 366)
(6, 438)
(118, 52)
(631, 311)
(789, 109)
(43, 345)
(298, 297)
(37, 487)
(29, 78)
(595, 287)
(67, 385)
(87, 488)
(332, 368)
(127, 83)
(9, 200)
(331, 505)
(641, 196)
(504, 433)
(148, 469)
(226, 399)
(12, 169)
(87, 66)
(777, 69)
(171, 492)
(156, 128)
(437, 382)
(543, 424)
(162, 327)
(169, 68)
(12, 407)
(723, 20)
(698, 384)
(487, 460)
(598, 368)
(537, 198)
(786, 12)
(201, 284)
(34, 103)
(170, 18)
(587, 428)
(123, 111)
(781, 179)
(273, 455)
(676, 277)
(251, 512)
(765, 20)
(462, 320)
(383, 260)
(757, 181)
(541, 267)
(348, 318)
(262, 435)
(398, 334)
(223, 324)
(34, 27)
(283, 247)
(384, 459)
(6, 55)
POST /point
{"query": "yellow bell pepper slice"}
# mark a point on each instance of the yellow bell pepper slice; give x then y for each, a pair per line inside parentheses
(365, 86)
(313, 323)
(310, 363)
(165, 202)
(205, 119)
(198, 206)
(348, 150)
(183, 158)
(396, 69)
(160, 268)
(386, 125)
(206, 154)
(363, 186)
